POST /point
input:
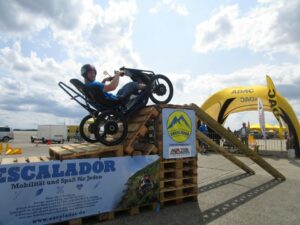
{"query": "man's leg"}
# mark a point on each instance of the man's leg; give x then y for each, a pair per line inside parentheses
(128, 89)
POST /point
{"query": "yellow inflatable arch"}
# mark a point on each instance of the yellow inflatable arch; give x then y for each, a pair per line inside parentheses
(238, 99)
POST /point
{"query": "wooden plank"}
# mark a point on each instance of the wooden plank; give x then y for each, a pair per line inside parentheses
(229, 136)
(138, 119)
(174, 188)
(58, 153)
(130, 212)
(147, 110)
(75, 222)
(68, 147)
(170, 198)
(59, 150)
(223, 152)
(22, 160)
(176, 106)
(44, 158)
(145, 148)
(6, 161)
(87, 150)
(33, 159)
(134, 127)
(128, 144)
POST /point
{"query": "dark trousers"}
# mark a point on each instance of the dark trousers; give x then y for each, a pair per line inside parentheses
(244, 140)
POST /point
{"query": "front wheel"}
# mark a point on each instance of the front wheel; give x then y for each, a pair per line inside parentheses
(111, 127)
(161, 89)
(5, 139)
(86, 129)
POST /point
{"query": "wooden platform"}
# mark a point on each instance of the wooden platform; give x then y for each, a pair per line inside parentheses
(178, 180)
(30, 159)
(178, 177)
(134, 144)
(85, 150)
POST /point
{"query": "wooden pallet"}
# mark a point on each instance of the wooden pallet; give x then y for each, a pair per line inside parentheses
(111, 215)
(137, 128)
(144, 149)
(29, 159)
(178, 168)
(178, 180)
(132, 211)
(84, 150)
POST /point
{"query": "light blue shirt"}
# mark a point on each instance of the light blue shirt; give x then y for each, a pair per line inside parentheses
(109, 96)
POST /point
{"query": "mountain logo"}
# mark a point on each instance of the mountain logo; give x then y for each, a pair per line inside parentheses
(179, 126)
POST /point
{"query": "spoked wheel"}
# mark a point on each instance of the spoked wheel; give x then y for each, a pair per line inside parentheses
(161, 89)
(111, 128)
(87, 129)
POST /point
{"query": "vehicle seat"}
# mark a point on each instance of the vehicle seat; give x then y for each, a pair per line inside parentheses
(95, 95)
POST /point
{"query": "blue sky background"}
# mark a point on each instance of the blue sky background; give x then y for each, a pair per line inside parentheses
(202, 46)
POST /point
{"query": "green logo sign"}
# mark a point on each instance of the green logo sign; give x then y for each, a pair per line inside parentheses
(179, 126)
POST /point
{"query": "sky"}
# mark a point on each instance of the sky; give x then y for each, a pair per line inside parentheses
(202, 46)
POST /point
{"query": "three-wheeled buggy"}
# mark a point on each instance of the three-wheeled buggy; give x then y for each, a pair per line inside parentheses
(107, 121)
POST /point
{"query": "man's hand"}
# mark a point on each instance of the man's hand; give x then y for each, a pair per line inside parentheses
(142, 86)
(121, 73)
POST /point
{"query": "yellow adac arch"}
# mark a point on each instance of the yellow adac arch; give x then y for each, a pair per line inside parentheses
(244, 98)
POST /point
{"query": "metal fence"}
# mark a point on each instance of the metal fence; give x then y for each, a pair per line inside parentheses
(263, 146)
(271, 144)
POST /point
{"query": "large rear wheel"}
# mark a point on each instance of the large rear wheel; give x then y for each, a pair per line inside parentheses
(112, 128)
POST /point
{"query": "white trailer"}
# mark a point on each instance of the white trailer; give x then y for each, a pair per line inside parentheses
(53, 133)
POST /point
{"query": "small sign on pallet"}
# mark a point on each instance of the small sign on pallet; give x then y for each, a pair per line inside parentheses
(179, 133)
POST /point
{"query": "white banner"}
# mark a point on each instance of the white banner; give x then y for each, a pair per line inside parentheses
(261, 117)
(49, 192)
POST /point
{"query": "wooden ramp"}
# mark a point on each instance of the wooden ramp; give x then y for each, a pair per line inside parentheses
(229, 136)
(140, 127)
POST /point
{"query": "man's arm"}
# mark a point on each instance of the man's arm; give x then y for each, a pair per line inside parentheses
(113, 84)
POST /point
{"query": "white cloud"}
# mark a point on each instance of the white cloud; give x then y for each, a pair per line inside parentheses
(173, 5)
(269, 27)
(97, 35)
(198, 88)
(103, 36)
(20, 18)
(33, 93)
(84, 30)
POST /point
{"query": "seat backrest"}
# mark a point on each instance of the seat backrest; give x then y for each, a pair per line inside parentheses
(81, 87)
(94, 94)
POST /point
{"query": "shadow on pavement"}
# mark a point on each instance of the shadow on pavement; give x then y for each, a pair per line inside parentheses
(229, 205)
(294, 162)
(223, 182)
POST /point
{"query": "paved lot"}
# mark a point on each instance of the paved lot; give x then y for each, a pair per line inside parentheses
(226, 194)
(229, 196)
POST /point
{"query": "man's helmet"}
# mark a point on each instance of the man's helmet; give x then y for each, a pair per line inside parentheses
(85, 68)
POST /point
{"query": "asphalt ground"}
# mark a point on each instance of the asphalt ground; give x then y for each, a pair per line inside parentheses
(226, 194)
